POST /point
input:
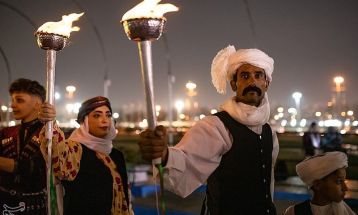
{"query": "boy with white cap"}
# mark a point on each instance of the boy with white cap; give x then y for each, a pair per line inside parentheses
(235, 150)
(325, 175)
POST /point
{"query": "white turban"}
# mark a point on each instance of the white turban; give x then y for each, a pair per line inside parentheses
(228, 60)
(319, 166)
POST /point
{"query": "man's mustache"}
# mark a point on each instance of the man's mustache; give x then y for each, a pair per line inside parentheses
(250, 89)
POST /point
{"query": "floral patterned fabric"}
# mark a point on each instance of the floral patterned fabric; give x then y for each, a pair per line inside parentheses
(66, 160)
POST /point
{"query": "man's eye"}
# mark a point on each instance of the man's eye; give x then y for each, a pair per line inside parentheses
(244, 76)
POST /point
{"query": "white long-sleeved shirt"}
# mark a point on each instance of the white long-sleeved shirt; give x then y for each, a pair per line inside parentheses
(199, 153)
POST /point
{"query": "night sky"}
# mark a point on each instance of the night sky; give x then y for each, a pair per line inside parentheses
(310, 41)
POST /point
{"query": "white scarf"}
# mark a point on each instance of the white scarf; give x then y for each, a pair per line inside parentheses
(102, 145)
(247, 114)
(340, 208)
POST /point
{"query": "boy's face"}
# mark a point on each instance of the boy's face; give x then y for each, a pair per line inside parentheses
(25, 106)
(333, 187)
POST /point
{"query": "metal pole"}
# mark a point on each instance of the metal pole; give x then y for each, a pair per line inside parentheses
(50, 97)
(145, 57)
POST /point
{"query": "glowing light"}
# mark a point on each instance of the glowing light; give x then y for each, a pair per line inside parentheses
(333, 123)
(283, 123)
(280, 109)
(4, 108)
(115, 115)
(63, 27)
(303, 122)
(57, 95)
(213, 111)
(201, 116)
(355, 123)
(318, 114)
(321, 123)
(70, 89)
(179, 105)
(144, 123)
(149, 9)
(343, 113)
(182, 116)
(296, 96)
(338, 79)
(293, 122)
(12, 123)
(157, 110)
(350, 113)
(347, 123)
(76, 107)
(276, 117)
(292, 111)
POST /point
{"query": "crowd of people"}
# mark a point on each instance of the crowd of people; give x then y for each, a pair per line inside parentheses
(233, 151)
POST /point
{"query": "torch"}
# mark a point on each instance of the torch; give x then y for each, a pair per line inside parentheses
(143, 24)
(53, 37)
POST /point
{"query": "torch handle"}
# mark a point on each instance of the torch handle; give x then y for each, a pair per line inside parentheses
(50, 95)
(145, 57)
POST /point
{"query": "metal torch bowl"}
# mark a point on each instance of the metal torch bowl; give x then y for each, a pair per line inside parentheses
(50, 41)
(142, 29)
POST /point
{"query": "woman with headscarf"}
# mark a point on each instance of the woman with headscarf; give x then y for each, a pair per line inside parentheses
(92, 172)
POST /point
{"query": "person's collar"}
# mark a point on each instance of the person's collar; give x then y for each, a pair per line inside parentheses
(30, 123)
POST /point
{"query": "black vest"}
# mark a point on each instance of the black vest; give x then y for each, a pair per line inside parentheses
(92, 190)
(303, 208)
(241, 183)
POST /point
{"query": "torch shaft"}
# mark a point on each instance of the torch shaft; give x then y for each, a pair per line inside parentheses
(50, 97)
(145, 57)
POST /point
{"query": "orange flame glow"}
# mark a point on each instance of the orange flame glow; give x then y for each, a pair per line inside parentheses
(63, 27)
(149, 9)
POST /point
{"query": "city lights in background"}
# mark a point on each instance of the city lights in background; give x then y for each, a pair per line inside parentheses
(293, 117)
(70, 90)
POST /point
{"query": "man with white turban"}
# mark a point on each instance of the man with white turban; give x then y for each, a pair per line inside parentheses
(325, 175)
(234, 150)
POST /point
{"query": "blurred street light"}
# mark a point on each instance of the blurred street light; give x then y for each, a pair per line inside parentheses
(70, 90)
(191, 86)
(297, 97)
(338, 80)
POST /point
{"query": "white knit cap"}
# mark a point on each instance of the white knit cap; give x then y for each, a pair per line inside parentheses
(228, 60)
(319, 166)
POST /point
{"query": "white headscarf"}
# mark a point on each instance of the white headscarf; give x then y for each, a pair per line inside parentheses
(228, 60)
(319, 166)
(247, 114)
(102, 145)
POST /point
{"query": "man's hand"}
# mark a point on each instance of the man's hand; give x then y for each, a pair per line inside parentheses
(47, 112)
(153, 144)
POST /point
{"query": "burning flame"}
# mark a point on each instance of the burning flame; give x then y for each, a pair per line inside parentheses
(149, 9)
(63, 27)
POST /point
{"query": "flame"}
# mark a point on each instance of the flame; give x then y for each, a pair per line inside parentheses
(63, 27)
(149, 9)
